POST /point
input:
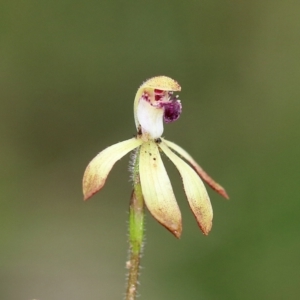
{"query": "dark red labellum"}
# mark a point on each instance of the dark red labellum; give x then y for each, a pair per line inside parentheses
(173, 110)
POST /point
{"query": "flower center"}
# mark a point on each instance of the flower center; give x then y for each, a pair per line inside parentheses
(154, 107)
(158, 94)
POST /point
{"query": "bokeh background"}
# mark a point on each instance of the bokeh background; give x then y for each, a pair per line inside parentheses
(69, 71)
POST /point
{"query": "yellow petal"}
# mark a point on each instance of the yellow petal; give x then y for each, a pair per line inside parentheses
(214, 185)
(194, 189)
(163, 83)
(98, 169)
(157, 189)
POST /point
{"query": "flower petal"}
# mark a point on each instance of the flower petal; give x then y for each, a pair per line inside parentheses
(194, 189)
(157, 189)
(163, 83)
(214, 185)
(98, 169)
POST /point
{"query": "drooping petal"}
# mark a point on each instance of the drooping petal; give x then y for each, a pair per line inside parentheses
(195, 190)
(98, 169)
(157, 190)
(214, 185)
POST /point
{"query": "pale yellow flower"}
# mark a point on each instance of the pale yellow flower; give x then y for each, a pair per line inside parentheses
(153, 104)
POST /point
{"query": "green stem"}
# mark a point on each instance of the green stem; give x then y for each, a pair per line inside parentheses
(136, 232)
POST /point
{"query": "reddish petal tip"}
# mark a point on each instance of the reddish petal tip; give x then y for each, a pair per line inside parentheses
(205, 231)
(176, 230)
(220, 190)
(91, 183)
(88, 196)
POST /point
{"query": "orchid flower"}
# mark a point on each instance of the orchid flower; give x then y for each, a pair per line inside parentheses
(155, 104)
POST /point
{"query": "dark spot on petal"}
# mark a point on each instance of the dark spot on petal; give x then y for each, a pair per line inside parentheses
(139, 130)
(157, 140)
(154, 158)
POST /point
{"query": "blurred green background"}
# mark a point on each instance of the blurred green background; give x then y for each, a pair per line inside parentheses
(69, 71)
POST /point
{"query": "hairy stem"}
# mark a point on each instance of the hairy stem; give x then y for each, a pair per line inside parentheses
(136, 232)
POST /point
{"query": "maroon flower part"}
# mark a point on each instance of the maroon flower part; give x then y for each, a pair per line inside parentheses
(172, 111)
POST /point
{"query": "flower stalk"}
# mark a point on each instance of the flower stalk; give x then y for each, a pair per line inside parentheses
(136, 232)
